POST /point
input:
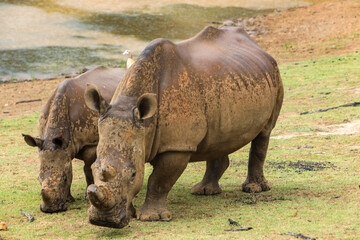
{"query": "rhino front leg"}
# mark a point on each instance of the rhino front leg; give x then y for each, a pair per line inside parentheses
(256, 181)
(209, 185)
(88, 176)
(69, 197)
(167, 169)
(88, 155)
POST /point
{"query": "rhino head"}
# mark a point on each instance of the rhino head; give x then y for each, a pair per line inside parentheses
(121, 152)
(55, 171)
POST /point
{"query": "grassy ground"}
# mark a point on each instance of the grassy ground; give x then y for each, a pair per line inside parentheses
(315, 178)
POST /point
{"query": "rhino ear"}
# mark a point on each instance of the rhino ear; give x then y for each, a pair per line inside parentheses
(32, 141)
(94, 100)
(147, 105)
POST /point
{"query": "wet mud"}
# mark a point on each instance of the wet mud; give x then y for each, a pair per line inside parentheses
(256, 198)
(299, 166)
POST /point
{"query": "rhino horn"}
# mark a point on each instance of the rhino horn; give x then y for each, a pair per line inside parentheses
(100, 197)
(108, 173)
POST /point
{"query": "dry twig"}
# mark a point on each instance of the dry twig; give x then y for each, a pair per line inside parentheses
(354, 104)
(27, 101)
(30, 217)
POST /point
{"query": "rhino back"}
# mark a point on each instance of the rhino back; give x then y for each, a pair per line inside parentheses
(220, 92)
(215, 91)
(65, 112)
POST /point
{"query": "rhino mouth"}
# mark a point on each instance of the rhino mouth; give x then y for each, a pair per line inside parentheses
(53, 209)
(103, 223)
(105, 219)
(51, 205)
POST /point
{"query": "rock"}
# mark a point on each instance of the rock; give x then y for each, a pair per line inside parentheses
(3, 226)
(228, 23)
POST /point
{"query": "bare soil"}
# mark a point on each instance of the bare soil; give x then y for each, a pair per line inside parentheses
(11, 93)
(326, 28)
(348, 128)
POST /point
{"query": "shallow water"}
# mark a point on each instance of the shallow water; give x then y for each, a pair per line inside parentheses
(45, 38)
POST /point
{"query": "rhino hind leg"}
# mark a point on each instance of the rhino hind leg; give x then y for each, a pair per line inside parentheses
(167, 169)
(256, 181)
(209, 185)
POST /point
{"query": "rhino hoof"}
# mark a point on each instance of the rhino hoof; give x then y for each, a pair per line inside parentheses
(255, 187)
(155, 215)
(106, 224)
(206, 189)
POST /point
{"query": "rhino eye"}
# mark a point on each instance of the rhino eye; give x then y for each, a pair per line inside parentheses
(133, 174)
(39, 178)
(65, 178)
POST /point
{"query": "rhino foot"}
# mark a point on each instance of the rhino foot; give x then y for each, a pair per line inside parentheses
(154, 214)
(255, 187)
(206, 189)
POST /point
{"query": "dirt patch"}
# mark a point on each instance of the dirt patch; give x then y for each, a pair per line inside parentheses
(326, 28)
(255, 198)
(291, 135)
(312, 31)
(351, 90)
(349, 128)
(354, 91)
(342, 129)
(14, 92)
(300, 166)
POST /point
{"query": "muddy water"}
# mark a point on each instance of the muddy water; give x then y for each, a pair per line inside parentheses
(45, 38)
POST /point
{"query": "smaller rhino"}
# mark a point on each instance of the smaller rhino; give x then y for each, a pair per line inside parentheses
(68, 129)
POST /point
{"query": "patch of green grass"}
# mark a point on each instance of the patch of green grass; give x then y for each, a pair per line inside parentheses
(336, 47)
(356, 34)
(318, 84)
(314, 178)
(289, 46)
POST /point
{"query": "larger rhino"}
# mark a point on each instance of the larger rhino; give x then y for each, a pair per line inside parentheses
(198, 100)
(67, 130)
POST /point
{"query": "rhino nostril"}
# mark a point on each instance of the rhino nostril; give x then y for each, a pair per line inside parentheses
(45, 194)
